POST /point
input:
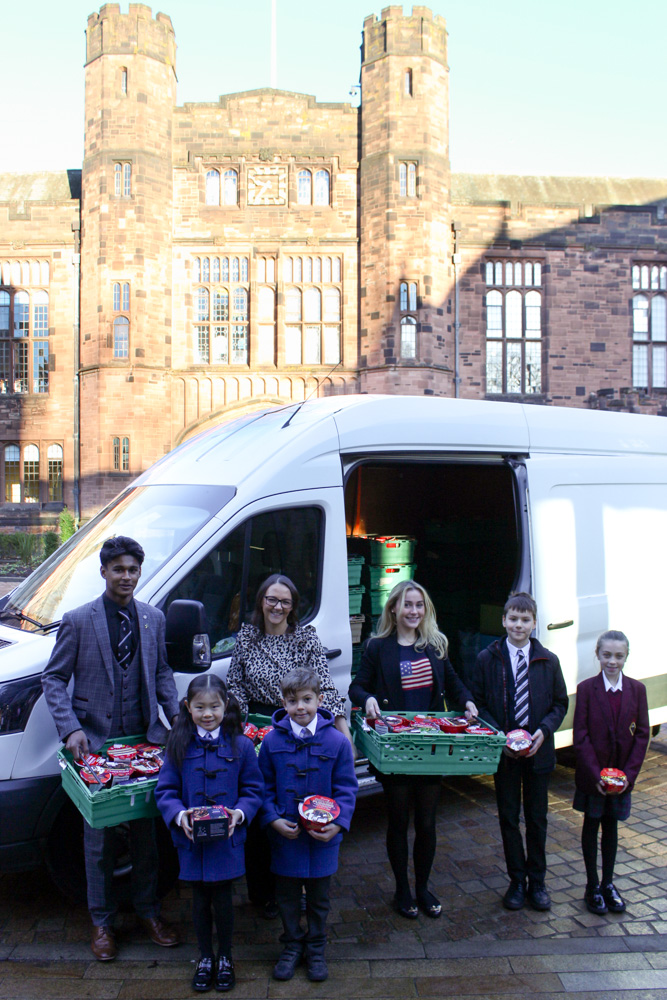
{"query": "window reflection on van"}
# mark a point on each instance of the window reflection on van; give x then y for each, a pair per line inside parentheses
(226, 580)
(161, 518)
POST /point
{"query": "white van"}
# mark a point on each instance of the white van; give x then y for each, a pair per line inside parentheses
(568, 504)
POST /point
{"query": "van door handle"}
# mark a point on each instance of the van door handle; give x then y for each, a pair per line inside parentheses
(331, 654)
(566, 624)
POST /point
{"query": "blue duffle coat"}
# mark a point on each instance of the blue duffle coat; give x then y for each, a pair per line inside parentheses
(223, 774)
(294, 768)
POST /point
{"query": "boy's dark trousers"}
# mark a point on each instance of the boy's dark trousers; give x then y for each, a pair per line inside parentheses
(288, 898)
(511, 778)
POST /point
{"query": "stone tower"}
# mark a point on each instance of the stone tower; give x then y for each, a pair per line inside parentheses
(406, 337)
(127, 198)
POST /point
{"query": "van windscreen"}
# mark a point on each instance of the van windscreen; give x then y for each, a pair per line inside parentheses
(160, 518)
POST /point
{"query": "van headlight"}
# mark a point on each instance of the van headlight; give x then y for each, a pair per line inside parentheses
(17, 699)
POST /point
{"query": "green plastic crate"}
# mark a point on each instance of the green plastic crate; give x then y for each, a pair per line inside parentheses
(355, 598)
(102, 807)
(355, 564)
(391, 550)
(386, 577)
(437, 753)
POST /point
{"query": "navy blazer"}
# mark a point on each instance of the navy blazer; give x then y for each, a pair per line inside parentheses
(376, 678)
(601, 744)
(224, 774)
(295, 768)
(83, 652)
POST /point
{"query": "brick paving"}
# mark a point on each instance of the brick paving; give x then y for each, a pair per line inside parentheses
(477, 949)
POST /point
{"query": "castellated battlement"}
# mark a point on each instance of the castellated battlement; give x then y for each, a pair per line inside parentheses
(421, 33)
(134, 33)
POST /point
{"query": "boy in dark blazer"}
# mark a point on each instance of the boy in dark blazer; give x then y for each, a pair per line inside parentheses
(518, 683)
(304, 755)
(114, 651)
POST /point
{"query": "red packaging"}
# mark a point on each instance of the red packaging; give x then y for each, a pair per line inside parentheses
(250, 731)
(95, 776)
(209, 823)
(120, 751)
(121, 771)
(145, 766)
(91, 760)
(613, 780)
(317, 811)
(453, 725)
(261, 733)
(520, 741)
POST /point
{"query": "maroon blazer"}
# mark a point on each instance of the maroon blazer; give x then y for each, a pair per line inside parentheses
(601, 744)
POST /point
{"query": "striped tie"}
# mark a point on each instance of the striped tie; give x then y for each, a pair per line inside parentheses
(124, 653)
(521, 694)
(305, 734)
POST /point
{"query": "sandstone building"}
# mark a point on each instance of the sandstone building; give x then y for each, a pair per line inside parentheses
(217, 257)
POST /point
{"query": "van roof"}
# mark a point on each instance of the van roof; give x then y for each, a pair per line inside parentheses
(356, 424)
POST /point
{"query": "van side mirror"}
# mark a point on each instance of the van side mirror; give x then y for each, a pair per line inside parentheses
(188, 644)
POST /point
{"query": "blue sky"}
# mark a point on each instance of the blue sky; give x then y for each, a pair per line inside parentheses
(567, 87)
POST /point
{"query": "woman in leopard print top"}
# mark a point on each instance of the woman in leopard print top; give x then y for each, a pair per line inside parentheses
(273, 644)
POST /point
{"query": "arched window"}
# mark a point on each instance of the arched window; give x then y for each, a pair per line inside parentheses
(127, 180)
(649, 334)
(293, 305)
(220, 306)
(4, 314)
(12, 473)
(34, 272)
(202, 304)
(230, 188)
(331, 305)
(312, 305)
(215, 269)
(31, 473)
(304, 187)
(116, 296)
(513, 332)
(240, 305)
(234, 269)
(326, 269)
(55, 473)
(121, 337)
(408, 337)
(322, 187)
(40, 314)
(21, 314)
(205, 269)
(307, 269)
(213, 187)
(44, 272)
(121, 454)
(407, 177)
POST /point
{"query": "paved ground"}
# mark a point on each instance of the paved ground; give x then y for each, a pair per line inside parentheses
(477, 949)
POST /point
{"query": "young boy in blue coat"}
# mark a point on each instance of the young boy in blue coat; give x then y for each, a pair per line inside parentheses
(304, 755)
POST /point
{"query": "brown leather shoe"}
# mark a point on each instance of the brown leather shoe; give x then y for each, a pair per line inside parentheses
(160, 932)
(103, 944)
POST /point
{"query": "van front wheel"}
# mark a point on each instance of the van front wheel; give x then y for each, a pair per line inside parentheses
(65, 861)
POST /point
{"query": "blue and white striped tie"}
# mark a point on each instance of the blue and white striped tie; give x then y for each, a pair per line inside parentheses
(521, 707)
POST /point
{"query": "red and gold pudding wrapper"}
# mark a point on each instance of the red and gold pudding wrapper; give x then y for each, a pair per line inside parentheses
(261, 733)
(452, 725)
(120, 751)
(95, 775)
(121, 770)
(143, 765)
(476, 730)
(150, 751)
(250, 731)
(613, 780)
(520, 741)
(396, 720)
(317, 811)
(91, 760)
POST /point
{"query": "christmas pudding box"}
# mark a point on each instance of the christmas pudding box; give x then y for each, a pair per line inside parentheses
(209, 823)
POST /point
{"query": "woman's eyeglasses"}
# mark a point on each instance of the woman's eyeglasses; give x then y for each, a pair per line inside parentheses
(273, 602)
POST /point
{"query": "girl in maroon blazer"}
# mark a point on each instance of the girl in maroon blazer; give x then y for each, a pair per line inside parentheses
(611, 729)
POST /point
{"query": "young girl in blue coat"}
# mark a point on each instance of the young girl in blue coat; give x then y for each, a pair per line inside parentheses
(210, 762)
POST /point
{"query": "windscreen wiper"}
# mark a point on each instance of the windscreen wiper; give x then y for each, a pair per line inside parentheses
(14, 613)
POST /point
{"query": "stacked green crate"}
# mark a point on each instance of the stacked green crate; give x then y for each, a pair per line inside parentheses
(356, 591)
(390, 563)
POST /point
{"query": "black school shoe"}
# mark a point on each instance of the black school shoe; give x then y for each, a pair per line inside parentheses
(202, 981)
(594, 901)
(612, 897)
(316, 968)
(515, 897)
(538, 897)
(288, 962)
(224, 977)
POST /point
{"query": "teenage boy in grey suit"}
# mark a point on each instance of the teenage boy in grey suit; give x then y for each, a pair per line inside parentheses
(114, 649)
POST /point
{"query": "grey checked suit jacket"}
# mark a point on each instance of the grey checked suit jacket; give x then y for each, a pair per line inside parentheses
(83, 651)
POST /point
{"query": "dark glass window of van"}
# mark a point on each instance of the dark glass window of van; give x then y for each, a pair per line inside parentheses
(226, 580)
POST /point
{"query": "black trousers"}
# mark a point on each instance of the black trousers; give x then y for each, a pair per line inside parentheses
(288, 898)
(514, 780)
